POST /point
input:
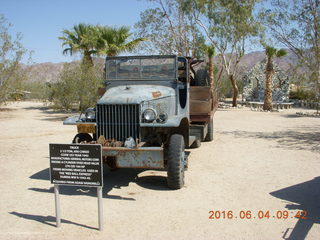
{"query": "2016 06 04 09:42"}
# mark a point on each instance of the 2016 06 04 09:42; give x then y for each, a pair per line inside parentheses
(261, 214)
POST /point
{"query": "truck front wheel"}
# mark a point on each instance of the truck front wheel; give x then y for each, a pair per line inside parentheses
(175, 162)
(81, 137)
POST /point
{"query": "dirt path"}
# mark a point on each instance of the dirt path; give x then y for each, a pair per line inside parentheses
(258, 161)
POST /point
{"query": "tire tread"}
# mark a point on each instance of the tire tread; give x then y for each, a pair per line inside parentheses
(175, 166)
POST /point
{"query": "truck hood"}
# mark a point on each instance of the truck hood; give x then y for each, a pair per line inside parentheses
(135, 94)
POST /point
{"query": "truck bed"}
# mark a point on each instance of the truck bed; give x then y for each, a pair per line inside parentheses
(203, 103)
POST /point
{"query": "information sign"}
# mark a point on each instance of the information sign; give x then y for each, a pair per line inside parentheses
(76, 164)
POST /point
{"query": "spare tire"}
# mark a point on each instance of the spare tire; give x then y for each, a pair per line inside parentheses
(201, 78)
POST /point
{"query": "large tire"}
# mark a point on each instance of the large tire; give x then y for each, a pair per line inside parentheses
(201, 78)
(175, 161)
(82, 137)
(209, 136)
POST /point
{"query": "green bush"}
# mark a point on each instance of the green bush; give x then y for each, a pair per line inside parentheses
(302, 94)
(12, 74)
(38, 90)
(77, 87)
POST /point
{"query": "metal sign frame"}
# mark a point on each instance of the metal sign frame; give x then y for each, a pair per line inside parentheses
(57, 185)
(75, 159)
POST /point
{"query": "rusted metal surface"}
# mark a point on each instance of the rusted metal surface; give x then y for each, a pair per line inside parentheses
(200, 93)
(109, 143)
(156, 94)
(200, 118)
(86, 127)
(200, 107)
(146, 157)
(203, 102)
(139, 157)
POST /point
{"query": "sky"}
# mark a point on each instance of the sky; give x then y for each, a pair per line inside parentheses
(42, 21)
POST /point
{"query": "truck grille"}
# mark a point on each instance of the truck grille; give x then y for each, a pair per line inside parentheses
(118, 121)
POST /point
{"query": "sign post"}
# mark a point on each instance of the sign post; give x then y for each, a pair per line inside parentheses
(77, 165)
(57, 205)
(100, 208)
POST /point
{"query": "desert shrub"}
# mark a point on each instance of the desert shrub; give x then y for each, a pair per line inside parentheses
(11, 71)
(38, 90)
(224, 87)
(302, 94)
(77, 87)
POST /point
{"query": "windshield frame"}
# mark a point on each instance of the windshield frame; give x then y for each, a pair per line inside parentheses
(169, 78)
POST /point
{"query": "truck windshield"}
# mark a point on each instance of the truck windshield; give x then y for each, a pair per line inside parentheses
(140, 68)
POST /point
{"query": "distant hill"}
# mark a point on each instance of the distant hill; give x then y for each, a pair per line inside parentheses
(45, 72)
(49, 72)
(250, 59)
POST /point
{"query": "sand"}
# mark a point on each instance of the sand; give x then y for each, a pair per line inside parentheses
(260, 164)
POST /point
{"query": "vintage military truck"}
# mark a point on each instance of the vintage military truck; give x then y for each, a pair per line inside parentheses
(151, 109)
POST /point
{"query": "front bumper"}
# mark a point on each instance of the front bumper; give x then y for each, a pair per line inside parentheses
(143, 157)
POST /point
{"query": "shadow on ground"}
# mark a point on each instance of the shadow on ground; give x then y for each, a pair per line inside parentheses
(49, 220)
(306, 195)
(3, 109)
(158, 183)
(49, 110)
(303, 138)
(52, 114)
(112, 179)
(299, 116)
(292, 115)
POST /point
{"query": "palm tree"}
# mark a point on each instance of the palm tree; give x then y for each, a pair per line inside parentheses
(210, 52)
(271, 53)
(113, 41)
(82, 38)
(89, 40)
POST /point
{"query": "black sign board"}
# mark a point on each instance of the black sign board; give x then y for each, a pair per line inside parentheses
(76, 164)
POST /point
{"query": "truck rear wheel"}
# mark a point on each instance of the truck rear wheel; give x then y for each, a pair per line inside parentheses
(209, 136)
(175, 162)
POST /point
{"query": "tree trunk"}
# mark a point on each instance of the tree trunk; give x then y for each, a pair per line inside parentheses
(268, 88)
(234, 89)
(317, 82)
(87, 59)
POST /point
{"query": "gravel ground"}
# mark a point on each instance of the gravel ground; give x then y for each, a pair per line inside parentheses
(259, 165)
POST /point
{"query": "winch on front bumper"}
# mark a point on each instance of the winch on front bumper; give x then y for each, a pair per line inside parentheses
(127, 154)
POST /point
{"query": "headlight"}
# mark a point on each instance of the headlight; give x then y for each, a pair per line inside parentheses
(90, 114)
(149, 115)
(162, 117)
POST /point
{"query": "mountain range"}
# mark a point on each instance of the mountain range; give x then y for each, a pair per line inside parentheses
(49, 72)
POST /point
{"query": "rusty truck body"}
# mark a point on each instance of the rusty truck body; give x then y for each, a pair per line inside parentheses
(153, 107)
